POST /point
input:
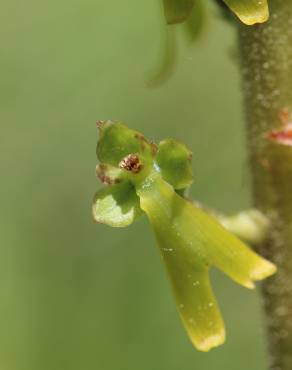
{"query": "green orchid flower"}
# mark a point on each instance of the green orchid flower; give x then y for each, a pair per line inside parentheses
(248, 11)
(144, 178)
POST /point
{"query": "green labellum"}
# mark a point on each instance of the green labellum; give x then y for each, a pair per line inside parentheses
(190, 242)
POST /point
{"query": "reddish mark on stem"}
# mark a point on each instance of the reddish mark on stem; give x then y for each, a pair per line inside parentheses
(283, 135)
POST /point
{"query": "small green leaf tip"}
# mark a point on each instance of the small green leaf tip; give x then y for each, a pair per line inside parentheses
(248, 11)
(145, 178)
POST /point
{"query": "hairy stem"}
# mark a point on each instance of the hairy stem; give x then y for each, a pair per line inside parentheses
(266, 54)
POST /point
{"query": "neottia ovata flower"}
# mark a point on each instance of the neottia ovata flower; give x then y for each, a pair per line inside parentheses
(144, 178)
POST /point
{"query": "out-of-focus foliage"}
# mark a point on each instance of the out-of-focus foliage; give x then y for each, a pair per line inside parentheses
(193, 19)
(177, 11)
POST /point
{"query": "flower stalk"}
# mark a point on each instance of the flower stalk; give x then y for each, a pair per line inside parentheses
(266, 55)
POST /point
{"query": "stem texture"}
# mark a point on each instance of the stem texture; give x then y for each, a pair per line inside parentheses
(266, 54)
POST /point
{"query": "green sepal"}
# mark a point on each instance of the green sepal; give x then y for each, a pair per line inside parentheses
(116, 141)
(174, 161)
(117, 205)
(249, 11)
(177, 11)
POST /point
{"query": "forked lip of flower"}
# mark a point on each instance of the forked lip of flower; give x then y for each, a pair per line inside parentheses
(202, 238)
(190, 243)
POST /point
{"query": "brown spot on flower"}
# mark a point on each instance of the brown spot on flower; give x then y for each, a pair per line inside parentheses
(101, 173)
(131, 163)
(100, 123)
(144, 143)
(140, 137)
(154, 148)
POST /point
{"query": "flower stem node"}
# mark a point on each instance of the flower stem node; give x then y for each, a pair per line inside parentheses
(190, 240)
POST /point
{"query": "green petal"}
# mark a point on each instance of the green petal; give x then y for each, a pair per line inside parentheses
(116, 141)
(177, 11)
(116, 205)
(174, 161)
(250, 11)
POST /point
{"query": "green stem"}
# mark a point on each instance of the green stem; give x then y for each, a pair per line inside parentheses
(266, 52)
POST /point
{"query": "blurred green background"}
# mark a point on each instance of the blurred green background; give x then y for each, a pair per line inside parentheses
(75, 295)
